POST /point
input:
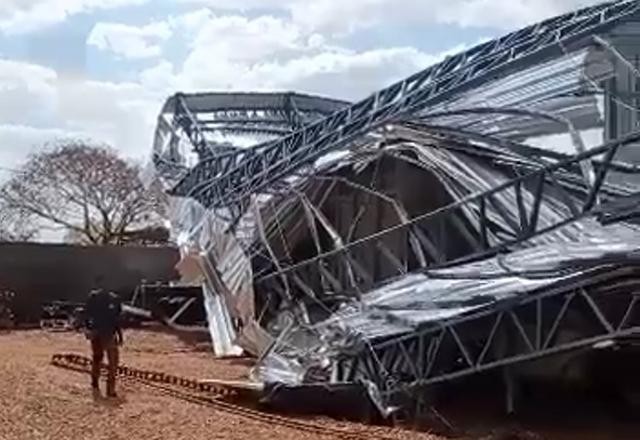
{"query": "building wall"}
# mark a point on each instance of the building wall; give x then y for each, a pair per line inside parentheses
(40, 273)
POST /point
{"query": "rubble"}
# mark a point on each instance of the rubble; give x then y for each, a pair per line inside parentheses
(476, 216)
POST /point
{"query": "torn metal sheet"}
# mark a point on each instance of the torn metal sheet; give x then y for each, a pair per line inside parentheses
(417, 301)
(457, 194)
(221, 327)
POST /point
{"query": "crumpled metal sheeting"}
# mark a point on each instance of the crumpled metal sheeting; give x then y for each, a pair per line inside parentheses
(231, 278)
(226, 266)
(545, 87)
(286, 213)
(252, 101)
(404, 305)
(292, 355)
(254, 339)
(463, 175)
(205, 231)
(224, 269)
(619, 210)
(416, 300)
(489, 281)
(610, 245)
(222, 332)
(401, 308)
(171, 156)
(276, 368)
(236, 274)
(586, 229)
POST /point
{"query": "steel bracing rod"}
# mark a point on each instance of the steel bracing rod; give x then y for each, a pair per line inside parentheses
(597, 311)
(538, 176)
(420, 132)
(222, 163)
(501, 356)
(245, 118)
(401, 213)
(193, 131)
(575, 135)
(566, 288)
(174, 318)
(168, 169)
(487, 345)
(521, 330)
(247, 114)
(267, 130)
(558, 319)
(427, 88)
(387, 253)
(600, 177)
(409, 129)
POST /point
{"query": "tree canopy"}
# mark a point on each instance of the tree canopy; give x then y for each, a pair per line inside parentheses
(86, 190)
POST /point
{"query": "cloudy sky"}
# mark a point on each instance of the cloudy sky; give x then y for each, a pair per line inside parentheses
(100, 69)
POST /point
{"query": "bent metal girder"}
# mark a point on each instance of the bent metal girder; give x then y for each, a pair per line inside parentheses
(238, 113)
(222, 183)
(607, 306)
(519, 222)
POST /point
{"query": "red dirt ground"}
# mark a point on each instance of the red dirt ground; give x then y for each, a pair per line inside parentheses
(40, 401)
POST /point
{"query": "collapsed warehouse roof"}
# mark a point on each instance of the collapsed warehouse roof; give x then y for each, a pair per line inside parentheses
(403, 240)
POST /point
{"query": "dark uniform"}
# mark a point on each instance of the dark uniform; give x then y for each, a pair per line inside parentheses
(103, 324)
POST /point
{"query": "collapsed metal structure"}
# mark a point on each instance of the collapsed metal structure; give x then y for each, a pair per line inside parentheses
(476, 215)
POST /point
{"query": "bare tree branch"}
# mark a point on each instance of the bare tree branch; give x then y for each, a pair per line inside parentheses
(89, 191)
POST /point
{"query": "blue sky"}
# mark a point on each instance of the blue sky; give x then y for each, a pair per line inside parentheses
(100, 69)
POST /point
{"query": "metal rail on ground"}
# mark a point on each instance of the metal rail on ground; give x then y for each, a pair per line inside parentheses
(209, 395)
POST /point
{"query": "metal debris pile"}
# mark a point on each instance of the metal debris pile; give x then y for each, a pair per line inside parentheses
(477, 215)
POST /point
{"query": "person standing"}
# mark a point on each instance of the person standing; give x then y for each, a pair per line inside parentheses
(102, 324)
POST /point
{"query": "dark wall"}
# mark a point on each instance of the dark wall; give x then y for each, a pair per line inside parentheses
(40, 273)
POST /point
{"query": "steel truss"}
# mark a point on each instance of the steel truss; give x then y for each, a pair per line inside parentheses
(226, 181)
(607, 305)
(170, 304)
(497, 227)
(273, 114)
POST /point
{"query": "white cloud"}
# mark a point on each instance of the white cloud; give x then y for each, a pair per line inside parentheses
(341, 74)
(27, 91)
(130, 41)
(339, 16)
(159, 79)
(20, 16)
(232, 52)
(240, 5)
(40, 105)
(239, 39)
(121, 114)
(510, 14)
(225, 51)
(347, 74)
(18, 141)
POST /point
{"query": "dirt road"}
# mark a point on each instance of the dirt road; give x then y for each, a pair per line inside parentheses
(39, 401)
